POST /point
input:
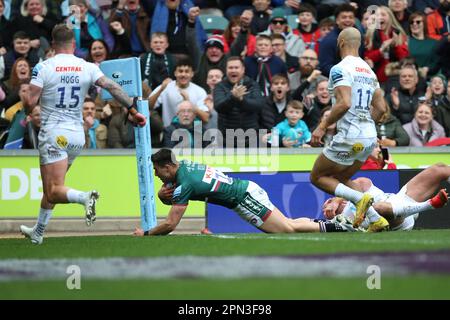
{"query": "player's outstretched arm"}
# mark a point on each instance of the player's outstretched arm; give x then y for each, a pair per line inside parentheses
(168, 225)
(122, 97)
(31, 100)
(379, 106)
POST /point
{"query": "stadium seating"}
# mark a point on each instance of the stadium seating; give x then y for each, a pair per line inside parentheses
(213, 24)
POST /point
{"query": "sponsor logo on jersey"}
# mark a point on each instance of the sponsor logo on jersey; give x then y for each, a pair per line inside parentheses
(177, 192)
(61, 141)
(68, 69)
(36, 70)
(357, 147)
(343, 155)
(364, 70)
(336, 75)
(208, 176)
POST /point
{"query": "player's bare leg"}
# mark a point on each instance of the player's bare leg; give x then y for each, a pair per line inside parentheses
(336, 179)
(279, 223)
(425, 184)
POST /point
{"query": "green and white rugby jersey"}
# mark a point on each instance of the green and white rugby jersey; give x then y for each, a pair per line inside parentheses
(195, 181)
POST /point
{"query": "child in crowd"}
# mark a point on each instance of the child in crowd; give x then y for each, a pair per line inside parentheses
(293, 132)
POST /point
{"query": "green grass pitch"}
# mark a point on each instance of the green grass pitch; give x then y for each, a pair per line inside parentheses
(420, 285)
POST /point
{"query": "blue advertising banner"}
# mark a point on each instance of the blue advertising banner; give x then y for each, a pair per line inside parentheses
(292, 193)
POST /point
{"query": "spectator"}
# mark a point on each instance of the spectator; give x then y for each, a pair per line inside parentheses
(263, 65)
(313, 107)
(37, 22)
(88, 28)
(169, 94)
(423, 128)
(95, 133)
(279, 50)
(23, 90)
(390, 131)
(421, 47)
(120, 132)
(306, 82)
(214, 55)
(443, 112)
(215, 76)
(307, 29)
(5, 28)
(171, 17)
(375, 161)
(328, 56)
(232, 32)
(386, 44)
(443, 52)
(401, 13)
(98, 52)
(157, 65)
(233, 8)
(426, 6)
(21, 73)
(326, 25)
(436, 95)
(33, 125)
(403, 101)
(437, 21)
(279, 25)
(292, 132)
(21, 48)
(238, 101)
(184, 129)
(131, 27)
(261, 16)
(273, 111)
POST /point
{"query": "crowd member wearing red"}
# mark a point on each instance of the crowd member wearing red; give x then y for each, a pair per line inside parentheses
(385, 42)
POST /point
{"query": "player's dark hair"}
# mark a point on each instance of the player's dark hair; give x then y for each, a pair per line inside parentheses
(62, 35)
(163, 157)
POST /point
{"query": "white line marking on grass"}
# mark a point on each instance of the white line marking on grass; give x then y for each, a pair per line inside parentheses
(324, 239)
(182, 267)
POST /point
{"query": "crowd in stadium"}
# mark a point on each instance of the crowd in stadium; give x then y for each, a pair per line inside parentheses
(261, 65)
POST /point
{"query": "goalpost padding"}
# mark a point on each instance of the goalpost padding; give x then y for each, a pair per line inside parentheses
(127, 73)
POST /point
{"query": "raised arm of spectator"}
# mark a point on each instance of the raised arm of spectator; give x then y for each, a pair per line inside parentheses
(191, 37)
(240, 42)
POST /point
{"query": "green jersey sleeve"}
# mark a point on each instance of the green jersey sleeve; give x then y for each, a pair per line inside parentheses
(181, 194)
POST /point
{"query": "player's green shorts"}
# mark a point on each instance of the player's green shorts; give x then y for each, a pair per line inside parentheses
(256, 206)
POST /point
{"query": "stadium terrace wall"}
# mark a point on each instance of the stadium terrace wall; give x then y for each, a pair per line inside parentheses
(114, 174)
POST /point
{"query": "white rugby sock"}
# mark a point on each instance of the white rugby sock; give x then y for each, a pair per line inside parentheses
(75, 196)
(44, 216)
(405, 210)
(348, 193)
(42, 221)
(372, 215)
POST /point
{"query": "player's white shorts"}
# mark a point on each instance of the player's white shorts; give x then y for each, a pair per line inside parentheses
(346, 151)
(256, 206)
(402, 199)
(56, 144)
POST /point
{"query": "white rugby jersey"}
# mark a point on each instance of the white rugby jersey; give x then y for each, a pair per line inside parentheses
(65, 81)
(354, 72)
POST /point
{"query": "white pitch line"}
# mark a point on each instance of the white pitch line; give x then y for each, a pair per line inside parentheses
(227, 267)
(324, 239)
